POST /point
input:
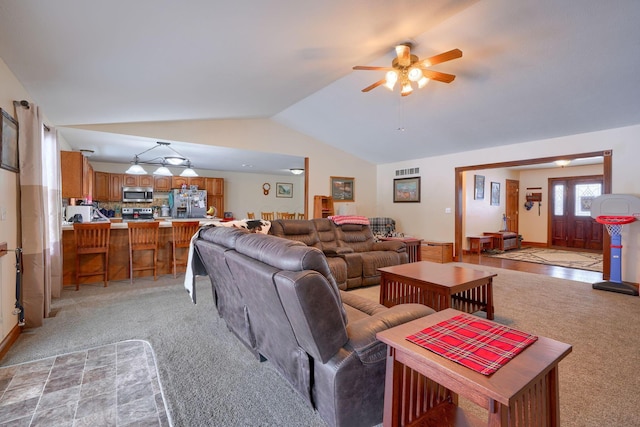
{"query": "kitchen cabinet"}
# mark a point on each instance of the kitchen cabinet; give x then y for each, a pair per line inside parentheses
(101, 186)
(138, 181)
(162, 183)
(115, 187)
(215, 186)
(76, 174)
(178, 181)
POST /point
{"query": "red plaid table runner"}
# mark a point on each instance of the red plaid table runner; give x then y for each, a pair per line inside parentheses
(476, 343)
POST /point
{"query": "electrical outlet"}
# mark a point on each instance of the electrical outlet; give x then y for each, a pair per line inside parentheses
(447, 210)
(3, 214)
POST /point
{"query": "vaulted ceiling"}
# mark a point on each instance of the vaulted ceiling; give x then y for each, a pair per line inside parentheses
(530, 70)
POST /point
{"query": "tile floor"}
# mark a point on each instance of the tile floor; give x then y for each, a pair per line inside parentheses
(112, 385)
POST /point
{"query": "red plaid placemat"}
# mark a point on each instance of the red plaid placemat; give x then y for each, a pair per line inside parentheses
(473, 342)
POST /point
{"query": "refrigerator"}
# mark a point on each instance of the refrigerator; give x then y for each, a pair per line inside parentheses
(188, 203)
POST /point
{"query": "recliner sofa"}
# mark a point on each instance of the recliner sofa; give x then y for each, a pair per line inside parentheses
(352, 252)
(280, 297)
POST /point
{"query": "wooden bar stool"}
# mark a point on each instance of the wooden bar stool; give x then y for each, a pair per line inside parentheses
(269, 216)
(251, 215)
(92, 238)
(143, 236)
(181, 234)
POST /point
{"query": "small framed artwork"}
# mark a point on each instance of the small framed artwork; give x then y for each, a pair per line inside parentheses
(495, 194)
(478, 185)
(284, 189)
(342, 189)
(9, 143)
(406, 190)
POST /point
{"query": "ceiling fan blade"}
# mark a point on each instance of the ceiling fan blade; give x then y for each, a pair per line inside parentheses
(404, 55)
(375, 85)
(443, 57)
(364, 67)
(437, 75)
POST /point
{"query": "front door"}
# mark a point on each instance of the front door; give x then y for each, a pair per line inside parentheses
(511, 204)
(571, 225)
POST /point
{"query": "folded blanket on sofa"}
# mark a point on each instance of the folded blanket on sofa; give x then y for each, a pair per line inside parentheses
(349, 219)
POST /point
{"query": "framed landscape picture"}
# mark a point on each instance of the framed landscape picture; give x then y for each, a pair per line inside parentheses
(8, 142)
(342, 189)
(284, 189)
(406, 190)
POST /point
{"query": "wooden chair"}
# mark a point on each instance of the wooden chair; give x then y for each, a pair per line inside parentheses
(181, 234)
(92, 238)
(143, 236)
(268, 216)
(251, 215)
(300, 215)
(286, 215)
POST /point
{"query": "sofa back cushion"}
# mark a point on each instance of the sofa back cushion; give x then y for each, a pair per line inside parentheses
(326, 232)
(355, 236)
(300, 230)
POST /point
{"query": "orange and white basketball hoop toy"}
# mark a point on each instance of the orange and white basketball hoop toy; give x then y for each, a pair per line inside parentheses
(612, 210)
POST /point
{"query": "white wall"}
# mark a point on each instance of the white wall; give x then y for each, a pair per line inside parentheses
(533, 227)
(428, 219)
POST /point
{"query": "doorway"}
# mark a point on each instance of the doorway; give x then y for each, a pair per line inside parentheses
(512, 188)
(570, 222)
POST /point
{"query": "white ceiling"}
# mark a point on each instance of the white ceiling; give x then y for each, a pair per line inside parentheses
(530, 70)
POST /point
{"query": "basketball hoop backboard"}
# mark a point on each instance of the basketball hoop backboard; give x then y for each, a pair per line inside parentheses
(615, 205)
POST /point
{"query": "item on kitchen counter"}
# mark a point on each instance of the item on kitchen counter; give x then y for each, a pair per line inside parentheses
(164, 210)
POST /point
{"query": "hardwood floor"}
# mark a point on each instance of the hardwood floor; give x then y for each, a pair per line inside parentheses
(530, 267)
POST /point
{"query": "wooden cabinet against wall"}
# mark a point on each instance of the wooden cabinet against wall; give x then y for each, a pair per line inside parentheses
(215, 186)
(162, 183)
(177, 181)
(77, 175)
(115, 187)
(322, 206)
(138, 181)
(441, 252)
(101, 186)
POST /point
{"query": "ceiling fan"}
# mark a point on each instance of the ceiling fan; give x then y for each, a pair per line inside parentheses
(408, 69)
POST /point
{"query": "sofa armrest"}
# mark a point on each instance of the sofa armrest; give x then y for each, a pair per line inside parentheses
(336, 251)
(362, 333)
(390, 245)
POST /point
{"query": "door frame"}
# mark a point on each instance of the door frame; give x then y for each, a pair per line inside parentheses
(607, 173)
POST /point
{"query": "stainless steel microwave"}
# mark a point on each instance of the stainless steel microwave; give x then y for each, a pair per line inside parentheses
(137, 194)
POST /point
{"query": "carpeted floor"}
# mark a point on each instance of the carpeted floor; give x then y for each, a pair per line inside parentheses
(210, 379)
(571, 259)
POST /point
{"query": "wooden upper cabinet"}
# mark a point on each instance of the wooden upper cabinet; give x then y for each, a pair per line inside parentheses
(138, 181)
(162, 183)
(115, 187)
(177, 181)
(200, 181)
(215, 186)
(76, 174)
(101, 186)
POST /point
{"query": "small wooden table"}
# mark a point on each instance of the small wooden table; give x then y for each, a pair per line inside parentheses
(438, 286)
(476, 243)
(422, 388)
(412, 244)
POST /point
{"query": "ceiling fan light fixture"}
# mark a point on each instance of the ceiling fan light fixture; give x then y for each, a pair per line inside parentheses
(406, 89)
(391, 78)
(415, 74)
(163, 171)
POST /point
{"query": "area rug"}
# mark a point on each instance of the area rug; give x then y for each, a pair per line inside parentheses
(110, 385)
(580, 260)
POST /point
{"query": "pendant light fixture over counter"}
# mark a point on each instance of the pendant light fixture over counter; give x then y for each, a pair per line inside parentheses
(177, 160)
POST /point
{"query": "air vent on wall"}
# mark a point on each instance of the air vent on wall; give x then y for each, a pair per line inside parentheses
(409, 171)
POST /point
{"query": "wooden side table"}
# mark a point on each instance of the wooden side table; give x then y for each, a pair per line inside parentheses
(476, 243)
(422, 388)
(413, 246)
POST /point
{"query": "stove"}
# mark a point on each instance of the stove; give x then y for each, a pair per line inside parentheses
(129, 214)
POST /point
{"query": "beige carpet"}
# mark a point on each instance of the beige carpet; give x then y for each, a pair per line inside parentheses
(571, 259)
(600, 379)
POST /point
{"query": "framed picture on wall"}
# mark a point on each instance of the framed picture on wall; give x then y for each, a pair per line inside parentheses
(406, 190)
(342, 189)
(495, 194)
(8, 142)
(284, 189)
(478, 185)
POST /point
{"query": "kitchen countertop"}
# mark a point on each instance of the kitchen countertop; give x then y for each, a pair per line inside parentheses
(164, 222)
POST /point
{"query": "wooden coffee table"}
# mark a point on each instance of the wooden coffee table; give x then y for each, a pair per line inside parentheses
(422, 387)
(438, 286)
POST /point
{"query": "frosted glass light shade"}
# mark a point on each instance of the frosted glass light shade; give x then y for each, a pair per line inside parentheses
(188, 172)
(136, 170)
(163, 171)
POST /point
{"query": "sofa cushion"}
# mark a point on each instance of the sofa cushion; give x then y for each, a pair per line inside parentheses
(299, 230)
(356, 236)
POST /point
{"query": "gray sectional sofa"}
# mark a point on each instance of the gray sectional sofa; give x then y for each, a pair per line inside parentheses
(352, 252)
(280, 298)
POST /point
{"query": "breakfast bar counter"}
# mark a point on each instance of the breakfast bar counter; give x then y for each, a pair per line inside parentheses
(119, 253)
